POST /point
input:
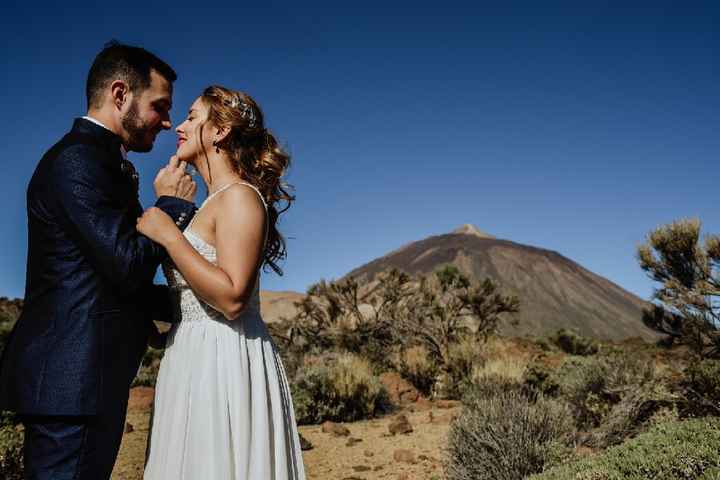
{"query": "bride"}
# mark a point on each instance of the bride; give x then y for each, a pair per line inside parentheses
(223, 408)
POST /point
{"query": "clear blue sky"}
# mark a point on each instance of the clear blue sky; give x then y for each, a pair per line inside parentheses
(573, 128)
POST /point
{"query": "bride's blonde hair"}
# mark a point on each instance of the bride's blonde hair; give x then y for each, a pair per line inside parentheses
(256, 156)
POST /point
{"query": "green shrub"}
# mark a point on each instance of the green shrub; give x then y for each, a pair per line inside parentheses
(545, 344)
(702, 388)
(5, 329)
(11, 444)
(339, 388)
(687, 450)
(637, 409)
(574, 344)
(147, 375)
(593, 385)
(541, 379)
(506, 437)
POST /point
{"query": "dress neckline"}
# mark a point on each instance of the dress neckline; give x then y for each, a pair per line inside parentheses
(189, 229)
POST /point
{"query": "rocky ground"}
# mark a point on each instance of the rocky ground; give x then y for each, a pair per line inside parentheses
(407, 444)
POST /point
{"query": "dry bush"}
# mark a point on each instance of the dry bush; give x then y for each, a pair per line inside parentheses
(415, 365)
(491, 385)
(509, 367)
(507, 436)
(339, 388)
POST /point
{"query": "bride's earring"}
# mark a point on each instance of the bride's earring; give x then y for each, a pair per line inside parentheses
(217, 149)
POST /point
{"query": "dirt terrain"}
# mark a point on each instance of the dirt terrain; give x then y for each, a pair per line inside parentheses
(369, 451)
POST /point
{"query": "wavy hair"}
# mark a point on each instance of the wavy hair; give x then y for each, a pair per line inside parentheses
(256, 156)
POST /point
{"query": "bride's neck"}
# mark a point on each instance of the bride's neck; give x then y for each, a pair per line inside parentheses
(218, 174)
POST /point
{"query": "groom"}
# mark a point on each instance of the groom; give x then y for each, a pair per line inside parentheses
(89, 297)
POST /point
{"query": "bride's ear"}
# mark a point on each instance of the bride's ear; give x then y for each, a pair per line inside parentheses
(221, 134)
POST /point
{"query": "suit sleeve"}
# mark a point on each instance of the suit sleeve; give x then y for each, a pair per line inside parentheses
(104, 223)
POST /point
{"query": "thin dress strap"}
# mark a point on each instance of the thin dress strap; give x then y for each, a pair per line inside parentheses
(226, 187)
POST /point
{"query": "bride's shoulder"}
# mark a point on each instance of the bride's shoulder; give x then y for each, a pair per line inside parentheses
(241, 201)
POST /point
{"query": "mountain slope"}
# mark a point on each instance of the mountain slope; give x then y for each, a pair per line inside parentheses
(555, 291)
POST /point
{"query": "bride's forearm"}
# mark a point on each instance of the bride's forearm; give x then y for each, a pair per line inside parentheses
(207, 280)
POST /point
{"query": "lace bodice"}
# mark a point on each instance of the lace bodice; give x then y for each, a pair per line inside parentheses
(186, 305)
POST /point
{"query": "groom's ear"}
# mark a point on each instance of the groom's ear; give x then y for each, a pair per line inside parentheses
(119, 91)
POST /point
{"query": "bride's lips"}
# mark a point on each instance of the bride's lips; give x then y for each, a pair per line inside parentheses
(180, 142)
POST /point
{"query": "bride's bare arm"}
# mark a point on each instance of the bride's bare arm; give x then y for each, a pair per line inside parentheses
(239, 233)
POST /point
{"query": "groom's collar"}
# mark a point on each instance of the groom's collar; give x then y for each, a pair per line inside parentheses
(104, 136)
(123, 150)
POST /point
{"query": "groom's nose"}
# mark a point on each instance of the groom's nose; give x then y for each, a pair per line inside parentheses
(166, 124)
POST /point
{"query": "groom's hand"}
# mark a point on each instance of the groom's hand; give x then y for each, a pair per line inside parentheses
(172, 181)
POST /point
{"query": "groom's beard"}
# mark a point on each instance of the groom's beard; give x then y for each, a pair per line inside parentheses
(140, 136)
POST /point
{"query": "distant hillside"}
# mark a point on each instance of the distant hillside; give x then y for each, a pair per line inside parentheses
(555, 291)
(276, 305)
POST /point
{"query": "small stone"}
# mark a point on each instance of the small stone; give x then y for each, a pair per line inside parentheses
(377, 468)
(129, 428)
(305, 443)
(400, 424)
(400, 391)
(445, 404)
(402, 455)
(361, 468)
(445, 419)
(352, 441)
(335, 428)
(368, 453)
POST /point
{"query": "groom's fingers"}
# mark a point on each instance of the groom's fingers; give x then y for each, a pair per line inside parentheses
(173, 161)
(182, 166)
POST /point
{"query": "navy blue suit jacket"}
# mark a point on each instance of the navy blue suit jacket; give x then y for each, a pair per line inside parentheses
(89, 296)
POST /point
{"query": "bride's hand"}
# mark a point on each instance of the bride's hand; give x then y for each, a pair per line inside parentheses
(157, 226)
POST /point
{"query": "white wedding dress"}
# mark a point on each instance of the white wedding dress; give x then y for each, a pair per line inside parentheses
(223, 409)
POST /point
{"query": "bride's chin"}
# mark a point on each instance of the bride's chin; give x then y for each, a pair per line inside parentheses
(184, 158)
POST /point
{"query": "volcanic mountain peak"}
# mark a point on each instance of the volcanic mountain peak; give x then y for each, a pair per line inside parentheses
(469, 229)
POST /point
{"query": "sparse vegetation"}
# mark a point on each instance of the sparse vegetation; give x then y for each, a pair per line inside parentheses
(574, 344)
(701, 388)
(11, 436)
(686, 450)
(443, 314)
(11, 447)
(593, 385)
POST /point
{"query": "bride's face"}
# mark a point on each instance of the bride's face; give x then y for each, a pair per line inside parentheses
(189, 132)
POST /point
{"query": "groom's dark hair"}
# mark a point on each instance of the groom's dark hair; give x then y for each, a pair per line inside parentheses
(131, 64)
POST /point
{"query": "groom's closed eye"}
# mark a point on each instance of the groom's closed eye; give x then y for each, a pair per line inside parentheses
(162, 106)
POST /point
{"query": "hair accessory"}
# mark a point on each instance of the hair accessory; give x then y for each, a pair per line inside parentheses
(246, 110)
